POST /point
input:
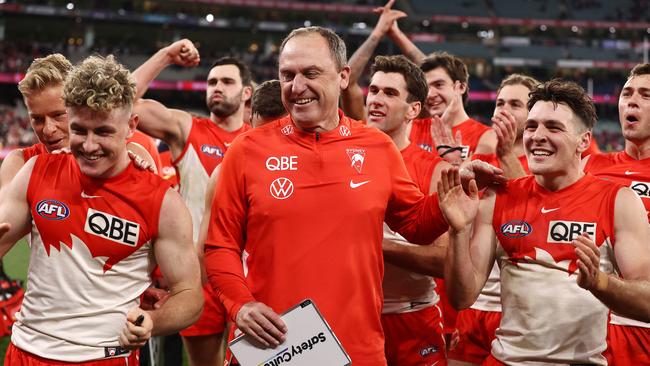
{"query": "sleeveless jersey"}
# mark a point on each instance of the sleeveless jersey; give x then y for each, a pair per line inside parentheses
(471, 132)
(204, 150)
(621, 168)
(547, 317)
(490, 297)
(36, 149)
(91, 255)
(404, 290)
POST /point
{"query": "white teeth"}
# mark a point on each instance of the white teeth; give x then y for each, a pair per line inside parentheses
(541, 153)
(303, 101)
(376, 114)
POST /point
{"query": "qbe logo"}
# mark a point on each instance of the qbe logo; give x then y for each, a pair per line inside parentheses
(279, 163)
(111, 227)
(52, 210)
(641, 188)
(568, 231)
(212, 151)
(281, 188)
(516, 229)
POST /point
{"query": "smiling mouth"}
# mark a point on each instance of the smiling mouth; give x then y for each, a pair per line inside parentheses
(376, 114)
(303, 101)
(540, 153)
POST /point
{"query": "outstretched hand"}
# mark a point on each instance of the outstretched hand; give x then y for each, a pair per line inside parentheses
(482, 173)
(505, 127)
(387, 19)
(455, 105)
(460, 209)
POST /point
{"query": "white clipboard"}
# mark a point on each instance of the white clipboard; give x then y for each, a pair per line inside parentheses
(309, 341)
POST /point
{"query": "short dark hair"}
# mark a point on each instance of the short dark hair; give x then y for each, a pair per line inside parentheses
(335, 43)
(569, 93)
(454, 66)
(519, 79)
(244, 71)
(640, 69)
(267, 100)
(416, 83)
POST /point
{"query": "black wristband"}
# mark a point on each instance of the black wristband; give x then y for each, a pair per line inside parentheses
(443, 147)
(450, 150)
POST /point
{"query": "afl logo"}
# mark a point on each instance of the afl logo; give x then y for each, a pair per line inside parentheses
(212, 151)
(52, 210)
(516, 229)
(281, 188)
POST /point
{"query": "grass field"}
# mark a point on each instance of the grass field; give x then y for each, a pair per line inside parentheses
(15, 263)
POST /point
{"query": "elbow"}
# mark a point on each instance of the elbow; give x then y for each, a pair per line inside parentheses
(460, 304)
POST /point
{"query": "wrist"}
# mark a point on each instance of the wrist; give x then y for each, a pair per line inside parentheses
(602, 281)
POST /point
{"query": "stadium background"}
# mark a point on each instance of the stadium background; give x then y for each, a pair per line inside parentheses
(593, 42)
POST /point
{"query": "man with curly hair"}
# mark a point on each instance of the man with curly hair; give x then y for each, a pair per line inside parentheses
(98, 226)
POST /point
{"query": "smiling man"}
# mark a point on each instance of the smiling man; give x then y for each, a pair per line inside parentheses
(98, 225)
(560, 231)
(299, 208)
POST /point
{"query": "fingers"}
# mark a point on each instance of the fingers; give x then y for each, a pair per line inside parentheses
(587, 250)
(389, 4)
(261, 323)
(134, 336)
(473, 189)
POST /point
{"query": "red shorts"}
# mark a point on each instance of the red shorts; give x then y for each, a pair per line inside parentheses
(627, 345)
(449, 314)
(476, 332)
(491, 361)
(17, 357)
(213, 317)
(414, 338)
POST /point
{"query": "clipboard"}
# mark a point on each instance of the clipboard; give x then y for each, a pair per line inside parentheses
(309, 341)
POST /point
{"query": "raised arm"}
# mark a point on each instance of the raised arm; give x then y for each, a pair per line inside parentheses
(181, 53)
(628, 296)
(170, 125)
(352, 97)
(408, 48)
(468, 262)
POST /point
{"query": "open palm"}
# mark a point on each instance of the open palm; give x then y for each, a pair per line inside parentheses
(458, 208)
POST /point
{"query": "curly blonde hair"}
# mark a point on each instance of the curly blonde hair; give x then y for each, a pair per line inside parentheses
(99, 83)
(45, 72)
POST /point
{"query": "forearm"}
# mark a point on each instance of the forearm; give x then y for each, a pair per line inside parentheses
(408, 48)
(226, 276)
(149, 70)
(181, 310)
(424, 259)
(423, 222)
(460, 272)
(628, 298)
(352, 102)
(361, 56)
(511, 166)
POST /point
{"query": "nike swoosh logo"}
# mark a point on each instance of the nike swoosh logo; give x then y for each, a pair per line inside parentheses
(84, 195)
(357, 185)
(627, 172)
(549, 210)
(227, 144)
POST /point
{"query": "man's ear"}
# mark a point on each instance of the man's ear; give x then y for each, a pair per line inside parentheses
(345, 77)
(585, 141)
(133, 124)
(414, 110)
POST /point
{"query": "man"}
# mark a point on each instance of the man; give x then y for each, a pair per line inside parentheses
(477, 325)
(278, 212)
(42, 91)
(411, 319)
(97, 223)
(197, 146)
(629, 340)
(557, 230)
(266, 105)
